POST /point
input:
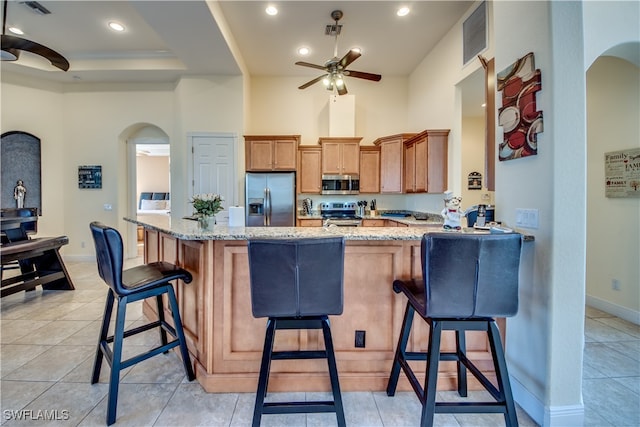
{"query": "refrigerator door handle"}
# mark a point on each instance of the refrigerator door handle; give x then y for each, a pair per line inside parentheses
(267, 207)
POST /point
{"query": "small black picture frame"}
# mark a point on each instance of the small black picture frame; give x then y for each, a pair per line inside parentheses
(90, 176)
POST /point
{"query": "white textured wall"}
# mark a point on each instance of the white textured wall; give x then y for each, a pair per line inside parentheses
(279, 107)
(613, 233)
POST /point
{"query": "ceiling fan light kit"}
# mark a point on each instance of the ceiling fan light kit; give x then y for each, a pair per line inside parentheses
(12, 45)
(336, 68)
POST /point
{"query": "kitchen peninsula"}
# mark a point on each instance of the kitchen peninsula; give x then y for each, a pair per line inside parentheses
(226, 341)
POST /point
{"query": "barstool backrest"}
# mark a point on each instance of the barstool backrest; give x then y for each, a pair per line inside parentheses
(471, 275)
(295, 278)
(108, 243)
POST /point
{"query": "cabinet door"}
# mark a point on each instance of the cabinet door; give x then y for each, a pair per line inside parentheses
(369, 171)
(420, 170)
(259, 155)
(350, 159)
(309, 175)
(409, 168)
(373, 222)
(391, 154)
(437, 161)
(331, 162)
(284, 155)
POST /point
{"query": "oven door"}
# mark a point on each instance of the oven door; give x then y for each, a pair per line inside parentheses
(335, 222)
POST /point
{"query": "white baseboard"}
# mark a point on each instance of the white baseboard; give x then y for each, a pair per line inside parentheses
(564, 416)
(79, 258)
(625, 313)
(527, 401)
(561, 416)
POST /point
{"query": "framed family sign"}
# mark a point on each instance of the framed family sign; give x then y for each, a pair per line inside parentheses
(622, 173)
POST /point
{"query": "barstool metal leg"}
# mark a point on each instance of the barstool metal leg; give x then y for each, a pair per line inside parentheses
(333, 372)
(184, 352)
(431, 375)
(104, 331)
(502, 375)
(400, 350)
(114, 380)
(163, 333)
(263, 378)
(461, 350)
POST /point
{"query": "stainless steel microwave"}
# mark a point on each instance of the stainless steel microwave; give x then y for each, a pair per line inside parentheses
(340, 184)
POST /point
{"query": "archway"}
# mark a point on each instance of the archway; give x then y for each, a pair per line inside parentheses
(149, 138)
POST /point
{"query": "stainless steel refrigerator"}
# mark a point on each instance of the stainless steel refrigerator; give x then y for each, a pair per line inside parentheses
(270, 199)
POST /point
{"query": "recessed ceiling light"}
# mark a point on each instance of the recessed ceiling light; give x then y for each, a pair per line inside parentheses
(271, 10)
(303, 51)
(483, 105)
(116, 26)
(403, 11)
(16, 30)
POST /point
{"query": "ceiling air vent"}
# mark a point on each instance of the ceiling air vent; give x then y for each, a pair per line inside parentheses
(36, 7)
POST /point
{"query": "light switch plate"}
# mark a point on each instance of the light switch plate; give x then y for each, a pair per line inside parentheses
(527, 218)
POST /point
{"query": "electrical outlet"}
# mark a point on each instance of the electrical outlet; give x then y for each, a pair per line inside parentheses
(360, 339)
(108, 207)
(615, 284)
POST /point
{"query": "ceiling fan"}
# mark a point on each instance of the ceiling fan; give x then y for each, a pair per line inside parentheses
(12, 45)
(336, 68)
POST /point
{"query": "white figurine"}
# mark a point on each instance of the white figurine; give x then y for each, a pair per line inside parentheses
(19, 193)
(452, 211)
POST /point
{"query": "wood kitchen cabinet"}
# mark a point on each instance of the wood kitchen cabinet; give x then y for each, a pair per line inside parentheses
(310, 223)
(392, 162)
(309, 172)
(340, 156)
(425, 162)
(369, 169)
(271, 152)
(374, 222)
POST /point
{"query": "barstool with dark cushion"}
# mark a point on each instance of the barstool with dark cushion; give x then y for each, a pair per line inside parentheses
(468, 281)
(297, 284)
(127, 286)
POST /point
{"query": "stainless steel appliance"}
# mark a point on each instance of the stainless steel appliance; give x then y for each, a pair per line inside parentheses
(270, 199)
(340, 184)
(480, 215)
(341, 214)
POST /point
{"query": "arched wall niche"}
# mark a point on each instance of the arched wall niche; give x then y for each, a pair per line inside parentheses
(20, 154)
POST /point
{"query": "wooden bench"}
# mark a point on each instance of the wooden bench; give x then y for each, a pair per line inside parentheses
(45, 266)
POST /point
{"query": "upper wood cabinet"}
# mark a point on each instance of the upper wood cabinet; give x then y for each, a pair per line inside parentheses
(309, 173)
(271, 152)
(392, 162)
(340, 156)
(369, 169)
(426, 162)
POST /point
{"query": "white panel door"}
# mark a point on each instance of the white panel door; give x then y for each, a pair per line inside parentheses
(213, 168)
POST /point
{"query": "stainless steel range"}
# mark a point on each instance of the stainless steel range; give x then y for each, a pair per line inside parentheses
(341, 214)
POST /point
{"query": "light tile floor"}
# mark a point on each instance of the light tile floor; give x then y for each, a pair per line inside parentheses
(47, 344)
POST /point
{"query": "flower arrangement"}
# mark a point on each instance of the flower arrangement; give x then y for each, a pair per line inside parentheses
(207, 204)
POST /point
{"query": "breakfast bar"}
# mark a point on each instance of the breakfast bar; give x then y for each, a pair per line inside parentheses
(226, 341)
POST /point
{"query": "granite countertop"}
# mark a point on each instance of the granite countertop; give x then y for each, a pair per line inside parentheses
(433, 219)
(190, 230)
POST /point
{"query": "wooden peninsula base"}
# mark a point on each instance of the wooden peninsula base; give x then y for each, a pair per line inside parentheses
(226, 341)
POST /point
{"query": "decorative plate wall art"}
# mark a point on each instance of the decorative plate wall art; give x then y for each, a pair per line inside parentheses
(519, 117)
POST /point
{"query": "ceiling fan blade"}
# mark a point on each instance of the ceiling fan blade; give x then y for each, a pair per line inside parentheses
(57, 60)
(363, 75)
(307, 64)
(342, 90)
(309, 83)
(351, 56)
